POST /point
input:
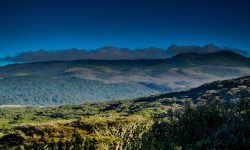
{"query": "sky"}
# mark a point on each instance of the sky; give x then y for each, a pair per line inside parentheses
(89, 24)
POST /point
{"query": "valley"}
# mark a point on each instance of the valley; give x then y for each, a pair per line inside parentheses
(75, 82)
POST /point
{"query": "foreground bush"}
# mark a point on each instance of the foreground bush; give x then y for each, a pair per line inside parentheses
(213, 125)
(86, 133)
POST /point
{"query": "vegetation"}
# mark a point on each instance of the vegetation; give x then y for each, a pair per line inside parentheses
(59, 83)
(213, 124)
(85, 133)
(50, 91)
(211, 120)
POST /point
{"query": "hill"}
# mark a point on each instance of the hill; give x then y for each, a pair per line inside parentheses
(221, 58)
(75, 82)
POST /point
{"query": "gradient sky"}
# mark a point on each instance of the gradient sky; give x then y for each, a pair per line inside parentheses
(60, 24)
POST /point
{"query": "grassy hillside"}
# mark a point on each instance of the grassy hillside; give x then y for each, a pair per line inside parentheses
(196, 119)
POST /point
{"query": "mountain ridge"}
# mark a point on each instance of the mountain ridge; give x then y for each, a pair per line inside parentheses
(230, 89)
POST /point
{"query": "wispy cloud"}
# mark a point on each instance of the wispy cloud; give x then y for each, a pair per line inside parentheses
(108, 53)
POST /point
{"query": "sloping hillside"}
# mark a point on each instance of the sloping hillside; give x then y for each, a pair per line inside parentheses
(233, 89)
(227, 90)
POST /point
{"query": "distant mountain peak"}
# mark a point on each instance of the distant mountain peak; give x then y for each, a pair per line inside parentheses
(220, 58)
(210, 48)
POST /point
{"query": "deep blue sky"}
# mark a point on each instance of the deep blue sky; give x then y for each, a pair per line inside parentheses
(58, 24)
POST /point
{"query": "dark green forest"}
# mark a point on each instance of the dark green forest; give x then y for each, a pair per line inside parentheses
(49, 91)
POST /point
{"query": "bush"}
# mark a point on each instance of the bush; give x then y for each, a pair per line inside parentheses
(213, 125)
